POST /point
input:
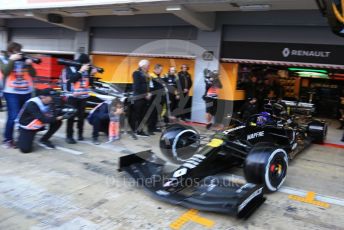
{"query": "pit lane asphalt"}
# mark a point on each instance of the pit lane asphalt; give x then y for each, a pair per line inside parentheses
(78, 187)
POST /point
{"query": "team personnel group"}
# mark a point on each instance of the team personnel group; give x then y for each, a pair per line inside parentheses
(155, 97)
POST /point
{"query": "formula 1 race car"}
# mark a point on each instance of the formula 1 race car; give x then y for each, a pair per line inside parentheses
(103, 91)
(262, 146)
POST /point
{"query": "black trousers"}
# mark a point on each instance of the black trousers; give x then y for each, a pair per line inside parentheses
(26, 137)
(184, 106)
(155, 109)
(79, 105)
(139, 112)
(100, 125)
(173, 104)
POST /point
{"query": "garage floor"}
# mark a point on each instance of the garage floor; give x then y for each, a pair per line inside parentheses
(78, 187)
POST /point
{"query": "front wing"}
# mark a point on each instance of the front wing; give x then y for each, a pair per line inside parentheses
(213, 193)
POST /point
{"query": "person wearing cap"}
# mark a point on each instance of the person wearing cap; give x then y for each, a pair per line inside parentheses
(141, 97)
(17, 75)
(76, 84)
(33, 117)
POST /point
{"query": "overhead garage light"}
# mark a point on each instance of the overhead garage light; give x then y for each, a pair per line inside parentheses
(313, 75)
(29, 14)
(124, 11)
(307, 70)
(264, 7)
(6, 15)
(79, 14)
(174, 8)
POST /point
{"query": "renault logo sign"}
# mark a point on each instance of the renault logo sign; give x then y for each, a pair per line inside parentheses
(305, 53)
(286, 52)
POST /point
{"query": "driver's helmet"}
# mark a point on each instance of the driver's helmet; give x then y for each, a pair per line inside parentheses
(263, 118)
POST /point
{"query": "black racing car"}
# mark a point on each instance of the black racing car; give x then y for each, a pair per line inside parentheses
(262, 146)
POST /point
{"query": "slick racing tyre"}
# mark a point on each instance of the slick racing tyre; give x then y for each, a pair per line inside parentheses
(178, 143)
(266, 165)
(317, 130)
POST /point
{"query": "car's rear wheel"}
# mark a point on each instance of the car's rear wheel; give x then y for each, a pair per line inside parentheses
(266, 165)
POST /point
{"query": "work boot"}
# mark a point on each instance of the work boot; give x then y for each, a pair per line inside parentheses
(70, 140)
(142, 134)
(80, 137)
(151, 133)
(96, 141)
(46, 144)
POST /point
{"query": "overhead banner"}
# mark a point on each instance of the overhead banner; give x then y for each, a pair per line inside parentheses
(286, 52)
(39, 4)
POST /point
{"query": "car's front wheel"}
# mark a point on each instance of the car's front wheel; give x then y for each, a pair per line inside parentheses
(266, 165)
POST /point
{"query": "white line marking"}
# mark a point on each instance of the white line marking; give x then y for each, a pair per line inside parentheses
(319, 197)
(303, 193)
(69, 150)
(102, 146)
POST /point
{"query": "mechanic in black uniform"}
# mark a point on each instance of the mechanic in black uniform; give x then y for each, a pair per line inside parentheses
(76, 82)
(249, 108)
(141, 97)
(251, 88)
(35, 113)
(264, 90)
(185, 84)
(171, 80)
(157, 90)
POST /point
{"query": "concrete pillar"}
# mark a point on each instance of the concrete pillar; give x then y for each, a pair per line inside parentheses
(82, 42)
(3, 38)
(209, 41)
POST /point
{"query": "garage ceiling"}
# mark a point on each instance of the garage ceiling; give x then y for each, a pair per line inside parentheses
(160, 7)
(199, 13)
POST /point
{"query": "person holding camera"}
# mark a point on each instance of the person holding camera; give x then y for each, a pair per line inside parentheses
(17, 73)
(35, 114)
(212, 88)
(76, 84)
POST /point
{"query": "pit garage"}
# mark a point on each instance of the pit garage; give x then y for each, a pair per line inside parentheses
(280, 169)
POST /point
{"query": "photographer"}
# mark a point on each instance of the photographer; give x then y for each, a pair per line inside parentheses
(212, 87)
(76, 83)
(17, 72)
(32, 118)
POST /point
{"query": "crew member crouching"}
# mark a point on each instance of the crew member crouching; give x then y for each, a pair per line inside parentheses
(99, 119)
(35, 113)
(106, 117)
